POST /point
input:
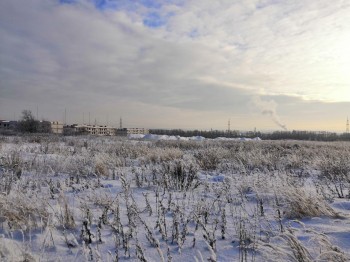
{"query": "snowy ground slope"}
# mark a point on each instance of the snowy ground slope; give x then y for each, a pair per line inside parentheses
(112, 199)
(193, 138)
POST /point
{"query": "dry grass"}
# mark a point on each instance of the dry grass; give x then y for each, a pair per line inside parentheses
(329, 252)
(300, 253)
(23, 212)
(300, 204)
(101, 169)
(184, 193)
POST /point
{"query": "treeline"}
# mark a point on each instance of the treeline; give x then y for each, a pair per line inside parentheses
(305, 135)
(190, 133)
(277, 135)
(27, 124)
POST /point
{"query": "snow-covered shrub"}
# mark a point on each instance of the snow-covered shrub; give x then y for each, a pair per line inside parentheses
(11, 160)
(11, 251)
(7, 181)
(65, 214)
(159, 155)
(101, 169)
(335, 172)
(179, 175)
(300, 204)
(210, 158)
(23, 211)
(230, 200)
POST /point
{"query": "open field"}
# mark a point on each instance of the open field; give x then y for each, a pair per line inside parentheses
(114, 199)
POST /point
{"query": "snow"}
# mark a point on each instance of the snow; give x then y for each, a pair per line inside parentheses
(241, 196)
(238, 139)
(193, 138)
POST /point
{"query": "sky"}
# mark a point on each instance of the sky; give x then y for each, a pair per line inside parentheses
(190, 64)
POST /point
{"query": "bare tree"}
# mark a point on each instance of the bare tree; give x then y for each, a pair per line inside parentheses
(28, 123)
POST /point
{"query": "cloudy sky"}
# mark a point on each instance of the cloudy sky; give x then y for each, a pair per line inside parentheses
(191, 64)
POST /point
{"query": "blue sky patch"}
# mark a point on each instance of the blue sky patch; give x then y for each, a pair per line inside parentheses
(194, 33)
(153, 19)
(126, 4)
(151, 4)
(107, 4)
(67, 1)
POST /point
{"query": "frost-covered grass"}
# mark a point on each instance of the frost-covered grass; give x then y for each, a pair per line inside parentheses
(113, 199)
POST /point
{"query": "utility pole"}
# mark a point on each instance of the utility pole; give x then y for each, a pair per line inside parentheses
(121, 123)
(347, 125)
(229, 126)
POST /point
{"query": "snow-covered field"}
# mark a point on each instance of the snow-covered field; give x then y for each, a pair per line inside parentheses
(173, 199)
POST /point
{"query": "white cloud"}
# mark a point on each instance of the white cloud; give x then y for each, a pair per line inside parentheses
(209, 58)
(296, 47)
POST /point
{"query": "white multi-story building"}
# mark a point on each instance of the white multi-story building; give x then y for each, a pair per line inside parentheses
(101, 130)
(133, 130)
(56, 127)
(92, 130)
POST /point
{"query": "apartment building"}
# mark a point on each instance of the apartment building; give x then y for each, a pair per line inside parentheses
(90, 130)
(56, 127)
(129, 131)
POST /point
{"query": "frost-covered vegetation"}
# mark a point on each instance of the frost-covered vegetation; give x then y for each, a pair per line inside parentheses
(113, 199)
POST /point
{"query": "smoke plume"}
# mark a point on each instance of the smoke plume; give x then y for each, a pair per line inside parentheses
(268, 107)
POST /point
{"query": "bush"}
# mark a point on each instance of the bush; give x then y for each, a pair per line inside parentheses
(335, 171)
(23, 212)
(300, 204)
(179, 176)
(210, 158)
